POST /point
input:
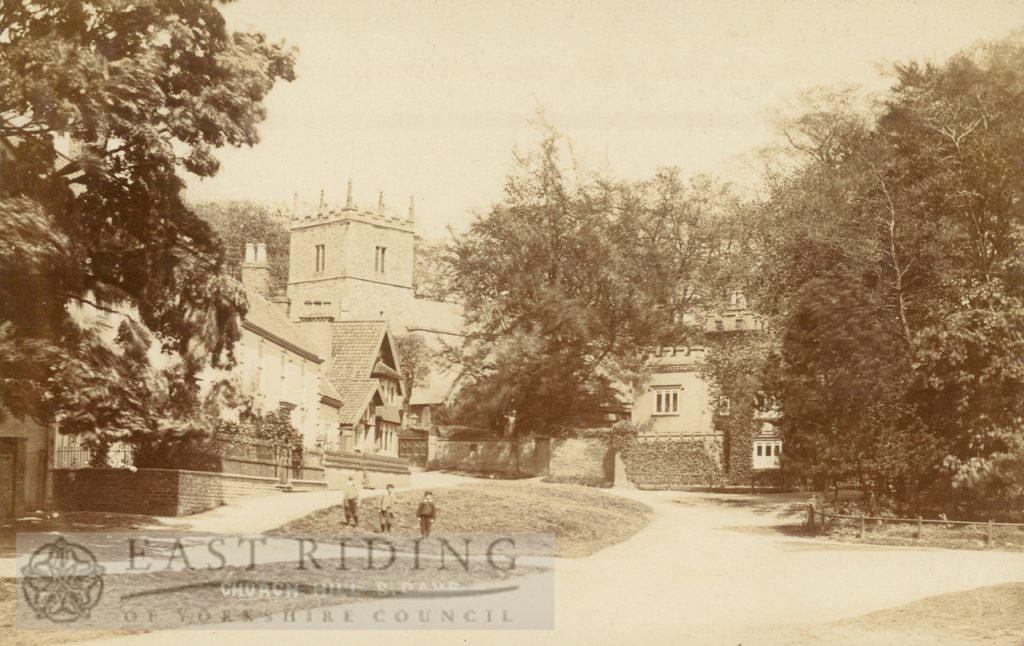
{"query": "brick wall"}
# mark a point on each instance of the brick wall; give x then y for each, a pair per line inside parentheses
(158, 492)
(583, 460)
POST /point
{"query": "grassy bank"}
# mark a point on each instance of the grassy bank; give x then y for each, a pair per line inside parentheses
(582, 520)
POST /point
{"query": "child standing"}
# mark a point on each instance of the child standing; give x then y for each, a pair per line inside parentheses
(426, 512)
(386, 506)
(351, 503)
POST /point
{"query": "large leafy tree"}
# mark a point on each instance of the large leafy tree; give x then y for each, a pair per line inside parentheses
(547, 309)
(843, 379)
(141, 90)
(922, 205)
(568, 279)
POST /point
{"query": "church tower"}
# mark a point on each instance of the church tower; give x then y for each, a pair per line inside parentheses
(351, 264)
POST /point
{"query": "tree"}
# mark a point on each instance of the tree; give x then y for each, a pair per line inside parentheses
(414, 357)
(140, 89)
(921, 202)
(432, 277)
(552, 315)
(842, 379)
(237, 223)
(969, 391)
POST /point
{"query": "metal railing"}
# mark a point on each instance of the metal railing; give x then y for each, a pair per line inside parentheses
(69, 453)
(249, 458)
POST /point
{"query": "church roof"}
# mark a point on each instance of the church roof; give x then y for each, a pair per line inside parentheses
(435, 317)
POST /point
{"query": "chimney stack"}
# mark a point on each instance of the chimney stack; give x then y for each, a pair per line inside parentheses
(412, 208)
(348, 198)
(380, 202)
(255, 270)
(318, 324)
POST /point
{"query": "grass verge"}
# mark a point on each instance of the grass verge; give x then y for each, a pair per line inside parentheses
(581, 519)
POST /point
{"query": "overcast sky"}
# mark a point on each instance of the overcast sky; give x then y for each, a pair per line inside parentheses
(428, 98)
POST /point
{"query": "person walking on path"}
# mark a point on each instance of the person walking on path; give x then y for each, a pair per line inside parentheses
(352, 503)
(426, 512)
(386, 506)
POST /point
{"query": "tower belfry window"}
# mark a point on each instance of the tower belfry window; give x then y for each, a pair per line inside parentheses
(380, 260)
(321, 257)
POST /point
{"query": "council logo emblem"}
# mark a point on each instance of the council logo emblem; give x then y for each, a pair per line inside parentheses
(62, 581)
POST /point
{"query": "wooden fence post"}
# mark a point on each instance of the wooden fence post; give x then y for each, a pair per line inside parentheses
(988, 534)
(861, 534)
(810, 516)
(920, 526)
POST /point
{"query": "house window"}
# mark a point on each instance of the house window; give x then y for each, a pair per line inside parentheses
(767, 454)
(666, 401)
(380, 260)
(321, 257)
(719, 324)
(741, 324)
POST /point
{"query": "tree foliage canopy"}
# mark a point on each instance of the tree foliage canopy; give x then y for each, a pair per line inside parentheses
(238, 223)
(568, 279)
(139, 90)
(893, 259)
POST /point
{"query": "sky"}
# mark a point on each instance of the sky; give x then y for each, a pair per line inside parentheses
(430, 98)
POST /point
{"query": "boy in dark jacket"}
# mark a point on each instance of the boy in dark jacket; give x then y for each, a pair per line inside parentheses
(426, 512)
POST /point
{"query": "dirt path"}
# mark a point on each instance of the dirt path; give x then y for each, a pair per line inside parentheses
(705, 574)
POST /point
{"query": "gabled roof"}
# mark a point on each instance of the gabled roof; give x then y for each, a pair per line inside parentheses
(382, 369)
(269, 321)
(439, 387)
(355, 346)
(357, 349)
(356, 395)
